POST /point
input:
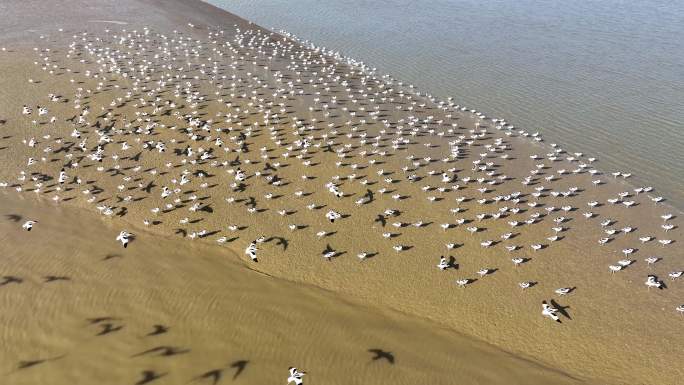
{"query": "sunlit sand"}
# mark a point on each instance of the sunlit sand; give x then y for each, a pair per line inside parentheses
(194, 198)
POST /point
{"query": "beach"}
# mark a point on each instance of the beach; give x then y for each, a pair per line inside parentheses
(220, 312)
(601, 77)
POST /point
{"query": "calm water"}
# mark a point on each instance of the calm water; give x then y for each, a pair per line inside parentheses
(603, 77)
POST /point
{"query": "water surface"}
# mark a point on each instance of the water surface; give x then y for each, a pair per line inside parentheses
(602, 77)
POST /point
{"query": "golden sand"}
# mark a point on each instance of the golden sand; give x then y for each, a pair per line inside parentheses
(294, 308)
(216, 312)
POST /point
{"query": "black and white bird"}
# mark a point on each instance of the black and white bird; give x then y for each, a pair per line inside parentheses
(333, 216)
(443, 263)
(124, 237)
(251, 250)
(563, 291)
(295, 376)
(549, 311)
(680, 309)
(652, 281)
(28, 225)
(675, 274)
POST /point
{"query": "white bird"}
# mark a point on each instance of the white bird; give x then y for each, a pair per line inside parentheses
(295, 376)
(328, 255)
(550, 312)
(462, 282)
(651, 260)
(652, 281)
(28, 225)
(124, 238)
(675, 274)
(251, 250)
(563, 291)
(517, 261)
(443, 263)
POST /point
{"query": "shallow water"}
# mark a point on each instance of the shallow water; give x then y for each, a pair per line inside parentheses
(602, 77)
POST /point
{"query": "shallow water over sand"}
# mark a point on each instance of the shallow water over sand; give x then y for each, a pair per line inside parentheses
(603, 77)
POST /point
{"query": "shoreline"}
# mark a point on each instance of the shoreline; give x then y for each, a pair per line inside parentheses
(367, 282)
(425, 94)
(571, 129)
(532, 371)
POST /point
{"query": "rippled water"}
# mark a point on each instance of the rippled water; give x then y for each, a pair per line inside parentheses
(602, 77)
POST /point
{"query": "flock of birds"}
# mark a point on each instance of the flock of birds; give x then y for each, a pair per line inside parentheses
(172, 128)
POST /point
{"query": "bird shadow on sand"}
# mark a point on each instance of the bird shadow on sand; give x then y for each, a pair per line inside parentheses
(31, 363)
(562, 310)
(158, 329)
(240, 366)
(13, 217)
(53, 278)
(10, 279)
(108, 328)
(380, 354)
(280, 241)
(452, 264)
(163, 351)
(111, 256)
(149, 376)
(216, 375)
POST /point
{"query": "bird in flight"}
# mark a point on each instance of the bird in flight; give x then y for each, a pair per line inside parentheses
(296, 376)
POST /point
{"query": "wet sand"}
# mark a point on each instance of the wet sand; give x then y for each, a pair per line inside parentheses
(83, 309)
(300, 309)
